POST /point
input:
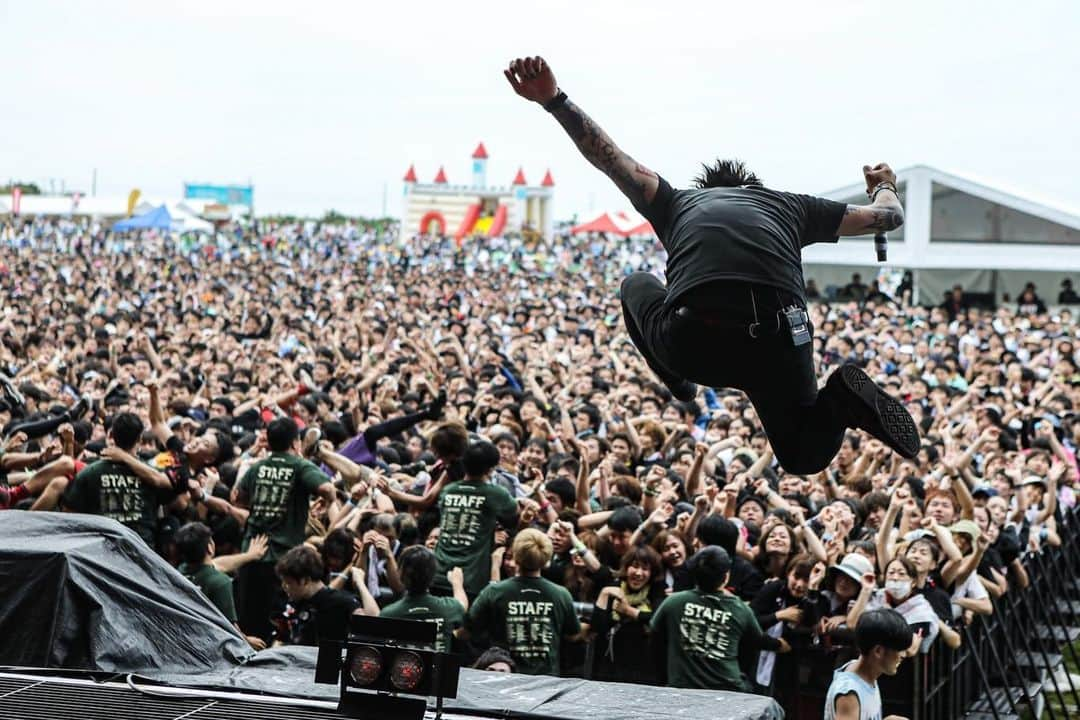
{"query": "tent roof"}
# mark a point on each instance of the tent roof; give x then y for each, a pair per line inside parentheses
(62, 205)
(156, 219)
(955, 222)
(1016, 200)
(618, 223)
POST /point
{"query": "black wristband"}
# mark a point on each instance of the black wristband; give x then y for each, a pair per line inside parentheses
(883, 185)
(556, 102)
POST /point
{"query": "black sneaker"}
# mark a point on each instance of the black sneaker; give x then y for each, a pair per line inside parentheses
(684, 390)
(869, 408)
(434, 411)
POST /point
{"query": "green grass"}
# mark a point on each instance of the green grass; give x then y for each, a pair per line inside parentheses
(1071, 710)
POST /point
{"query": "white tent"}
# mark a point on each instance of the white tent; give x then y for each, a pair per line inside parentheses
(66, 205)
(959, 231)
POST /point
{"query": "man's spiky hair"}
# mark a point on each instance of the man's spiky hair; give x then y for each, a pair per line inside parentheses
(726, 173)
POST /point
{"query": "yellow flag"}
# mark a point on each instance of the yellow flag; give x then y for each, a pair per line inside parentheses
(133, 199)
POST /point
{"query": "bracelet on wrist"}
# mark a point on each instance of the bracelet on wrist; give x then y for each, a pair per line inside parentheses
(880, 187)
(556, 102)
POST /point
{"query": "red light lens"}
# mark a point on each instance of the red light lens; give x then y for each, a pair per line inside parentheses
(407, 671)
(366, 666)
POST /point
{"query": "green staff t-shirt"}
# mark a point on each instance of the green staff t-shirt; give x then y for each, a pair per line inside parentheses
(215, 585)
(702, 632)
(447, 614)
(468, 512)
(529, 617)
(278, 491)
(111, 489)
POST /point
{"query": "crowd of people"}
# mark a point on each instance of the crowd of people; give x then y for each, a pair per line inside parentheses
(310, 422)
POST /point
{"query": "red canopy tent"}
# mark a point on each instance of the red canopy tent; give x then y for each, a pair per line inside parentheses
(617, 223)
(603, 222)
(645, 228)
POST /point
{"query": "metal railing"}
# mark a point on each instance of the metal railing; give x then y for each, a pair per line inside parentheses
(1009, 662)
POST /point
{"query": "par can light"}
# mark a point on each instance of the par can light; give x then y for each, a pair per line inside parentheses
(365, 666)
(407, 671)
(387, 668)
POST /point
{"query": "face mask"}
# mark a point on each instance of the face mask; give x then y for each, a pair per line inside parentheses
(898, 589)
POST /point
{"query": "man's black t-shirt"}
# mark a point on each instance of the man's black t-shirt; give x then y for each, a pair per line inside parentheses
(747, 234)
(323, 616)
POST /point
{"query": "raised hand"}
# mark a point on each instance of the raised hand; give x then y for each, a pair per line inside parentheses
(532, 79)
(878, 174)
(817, 575)
(258, 546)
(15, 440)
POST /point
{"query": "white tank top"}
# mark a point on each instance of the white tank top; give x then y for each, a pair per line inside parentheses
(845, 682)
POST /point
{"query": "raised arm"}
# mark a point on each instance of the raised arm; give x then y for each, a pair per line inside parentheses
(533, 80)
(157, 418)
(884, 212)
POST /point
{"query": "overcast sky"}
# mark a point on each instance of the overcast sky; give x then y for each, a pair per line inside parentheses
(324, 104)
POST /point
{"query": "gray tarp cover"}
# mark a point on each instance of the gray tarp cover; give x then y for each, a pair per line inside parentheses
(84, 592)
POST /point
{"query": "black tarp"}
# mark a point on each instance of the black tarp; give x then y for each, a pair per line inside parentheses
(78, 591)
(83, 592)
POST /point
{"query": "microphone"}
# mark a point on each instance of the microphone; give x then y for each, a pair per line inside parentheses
(881, 246)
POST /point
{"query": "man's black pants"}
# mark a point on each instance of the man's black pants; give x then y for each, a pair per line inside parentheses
(705, 337)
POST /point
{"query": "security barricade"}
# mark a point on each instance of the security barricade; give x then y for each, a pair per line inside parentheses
(1009, 662)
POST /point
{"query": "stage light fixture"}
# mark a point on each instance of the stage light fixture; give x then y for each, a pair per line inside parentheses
(407, 671)
(387, 669)
(366, 666)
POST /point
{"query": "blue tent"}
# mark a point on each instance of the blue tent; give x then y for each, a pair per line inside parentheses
(156, 219)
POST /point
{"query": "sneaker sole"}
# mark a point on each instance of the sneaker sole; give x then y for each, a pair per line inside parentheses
(880, 414)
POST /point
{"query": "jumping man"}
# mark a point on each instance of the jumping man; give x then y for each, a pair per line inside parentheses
(734, 311)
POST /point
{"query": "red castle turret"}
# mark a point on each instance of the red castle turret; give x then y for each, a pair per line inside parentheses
(410, 177)
(548, 181)
(480, 153)
(440, 179)
(519, 179)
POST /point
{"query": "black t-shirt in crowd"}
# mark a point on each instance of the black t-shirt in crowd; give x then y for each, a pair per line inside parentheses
(747, 234)
(1007, 545)
(323, 616)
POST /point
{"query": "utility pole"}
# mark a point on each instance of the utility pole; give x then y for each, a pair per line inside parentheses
(384, 199)
(93, 184)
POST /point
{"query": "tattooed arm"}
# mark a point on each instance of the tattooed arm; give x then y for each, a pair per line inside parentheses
(533, 80)
(636, 181)
(884, 214)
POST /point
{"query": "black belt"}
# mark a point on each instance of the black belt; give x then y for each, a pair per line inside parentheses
(717, 319)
